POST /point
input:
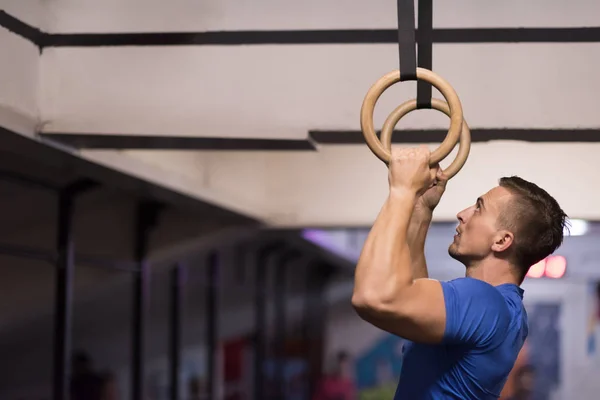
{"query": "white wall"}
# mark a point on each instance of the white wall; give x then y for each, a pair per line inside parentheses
(191, 90)
(72, 16)
(20, 79)
(245, 91)
(32, 12)
(283, 91)
(346, 185)
(19, 70)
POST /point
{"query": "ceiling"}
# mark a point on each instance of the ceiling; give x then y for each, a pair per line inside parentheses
(233, 104)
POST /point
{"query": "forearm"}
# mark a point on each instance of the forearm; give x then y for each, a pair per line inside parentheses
(384, 266)
(417, 233)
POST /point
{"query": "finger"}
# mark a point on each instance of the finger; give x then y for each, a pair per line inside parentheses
(433, 174)
(441, 178)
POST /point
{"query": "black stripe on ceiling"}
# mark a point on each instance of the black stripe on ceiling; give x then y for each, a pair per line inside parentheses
(477, 135)
(352, 36)
(339, 36)
(141, 142)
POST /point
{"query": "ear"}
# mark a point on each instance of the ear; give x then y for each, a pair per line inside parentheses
(502, 241)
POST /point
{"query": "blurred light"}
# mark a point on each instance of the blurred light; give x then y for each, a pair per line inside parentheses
(325, 240)
(537, 270)
(578, 227)
(553, 267)
(556, 266)
(316, 236)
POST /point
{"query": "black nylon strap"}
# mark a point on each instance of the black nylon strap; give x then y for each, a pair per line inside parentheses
(425, 60)
(406, 40)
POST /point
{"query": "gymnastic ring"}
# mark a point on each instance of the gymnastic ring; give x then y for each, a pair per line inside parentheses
(370, 100)
(464, 145)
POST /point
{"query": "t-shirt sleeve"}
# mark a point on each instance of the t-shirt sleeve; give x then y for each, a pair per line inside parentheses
(475, 312)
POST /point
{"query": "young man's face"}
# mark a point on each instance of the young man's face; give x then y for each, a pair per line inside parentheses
(478, 234)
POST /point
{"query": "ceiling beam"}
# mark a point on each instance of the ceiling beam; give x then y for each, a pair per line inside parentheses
(477, 135)
(151, 142)
(289, 37)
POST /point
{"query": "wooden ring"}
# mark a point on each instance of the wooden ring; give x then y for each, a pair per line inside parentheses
(368, 108)
(464, 145)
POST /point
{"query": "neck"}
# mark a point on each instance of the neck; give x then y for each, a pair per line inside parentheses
(493, 271)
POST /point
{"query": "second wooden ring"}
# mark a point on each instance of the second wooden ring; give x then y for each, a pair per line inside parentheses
(454, 104)
(437, 104)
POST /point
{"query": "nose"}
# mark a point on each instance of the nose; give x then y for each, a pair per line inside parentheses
(463, 216)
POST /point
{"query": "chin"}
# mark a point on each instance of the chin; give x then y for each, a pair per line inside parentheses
(454, 253)
(452, 250)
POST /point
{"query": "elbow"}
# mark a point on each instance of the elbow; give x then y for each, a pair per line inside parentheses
(369, 304)
(365, 307)
(359, 301)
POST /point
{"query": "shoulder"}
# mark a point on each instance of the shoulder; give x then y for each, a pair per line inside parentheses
(473, 288)
(471, 283)
(475, 293)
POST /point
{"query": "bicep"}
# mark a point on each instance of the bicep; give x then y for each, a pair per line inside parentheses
(464, 311)
(417, 314)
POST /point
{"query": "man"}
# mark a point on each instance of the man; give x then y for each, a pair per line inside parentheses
(464, 334)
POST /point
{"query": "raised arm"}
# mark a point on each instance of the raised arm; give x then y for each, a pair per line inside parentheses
(419, 225)
(386, 293)
(417, 233)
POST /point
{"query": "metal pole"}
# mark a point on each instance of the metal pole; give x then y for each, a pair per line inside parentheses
(261, 268)
(63, 302)
(212, 323)
(315, 311)
(177, 283)
(65, 266)
(146, 218)
(280, 334)
(260, 322)
(140, 291)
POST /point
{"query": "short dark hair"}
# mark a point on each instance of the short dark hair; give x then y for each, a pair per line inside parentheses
(536, 219)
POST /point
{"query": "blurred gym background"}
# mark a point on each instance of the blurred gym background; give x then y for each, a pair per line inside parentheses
(184, 191)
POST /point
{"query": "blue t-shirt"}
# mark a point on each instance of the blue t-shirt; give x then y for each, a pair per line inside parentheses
(485, 329)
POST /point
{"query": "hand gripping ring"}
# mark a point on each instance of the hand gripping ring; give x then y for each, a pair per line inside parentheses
(465, 135)
(455, 109)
